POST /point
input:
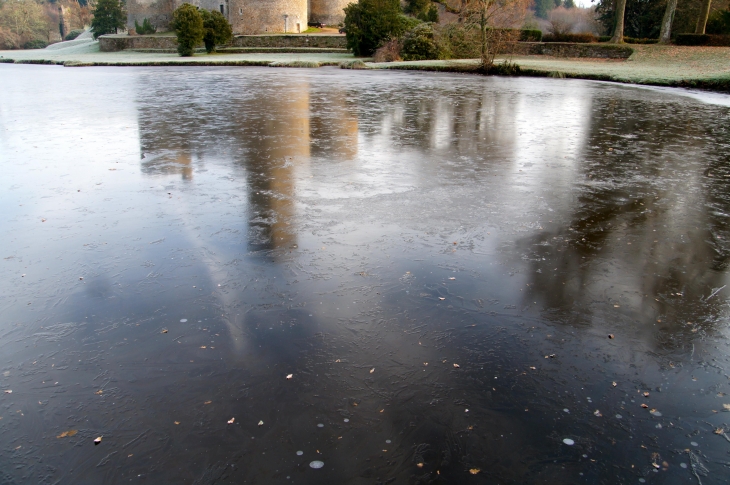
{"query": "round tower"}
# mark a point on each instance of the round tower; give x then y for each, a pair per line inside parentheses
(328, 12)
(268, 16)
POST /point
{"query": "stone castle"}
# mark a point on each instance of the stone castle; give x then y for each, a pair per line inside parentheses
(245, 16)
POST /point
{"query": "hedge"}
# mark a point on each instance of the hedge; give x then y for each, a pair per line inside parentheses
(703, 39)
(575, 38)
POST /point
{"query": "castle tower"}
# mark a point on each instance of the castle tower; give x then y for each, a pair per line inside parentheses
(328, 12)
(268, 16)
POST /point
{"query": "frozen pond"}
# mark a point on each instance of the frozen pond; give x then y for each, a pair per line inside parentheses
(262, 276)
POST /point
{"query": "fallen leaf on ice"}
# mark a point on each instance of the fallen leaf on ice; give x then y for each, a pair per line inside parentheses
(614, 384)
(452, 278)
(372, 370)
(725, 407)
(456, 366)
(474, 471)
(597, 413)
(419, 465)
(99, 392)
(230, 421)
(644, 406)
(202, 346)
(164, 330)
(97, 440)
(177, 422)
(68, 433)
(290, 376)
(207, 402)
(441, 298)
(261, 423)
(8, 391)
(646, 394)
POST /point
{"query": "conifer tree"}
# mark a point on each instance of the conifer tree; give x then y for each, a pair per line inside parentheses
(109, 17)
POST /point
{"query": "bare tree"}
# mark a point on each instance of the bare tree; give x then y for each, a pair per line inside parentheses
(666, 30)
(494, 19)
(704, 14)
(618, 32)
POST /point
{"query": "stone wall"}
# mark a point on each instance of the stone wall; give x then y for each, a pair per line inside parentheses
(328, 12)
(565, 49)
(114, 43)
(321, 41)
(120, 42)
(268, 16)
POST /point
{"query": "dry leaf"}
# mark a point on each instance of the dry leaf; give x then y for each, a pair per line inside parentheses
(382, 410)
(8, 391)
(533, 368)
(597, 413)
(290, 376)
(69, 433)
(419, 465)
(99, 392)
(177, 422)
(644, 406)
(610, 335)
(441, 298)
(646, 394)
(456, 366)
(725, 407)
(207, 402)
(372, 370)
(338, 361)
(164, 330)
(614, 384)
(261, 423)
(230, 421)
(474, 471)
(97, 440)
(202, 346)
(452, 278)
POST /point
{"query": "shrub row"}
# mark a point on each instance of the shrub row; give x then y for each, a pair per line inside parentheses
(703, 39)
(73, 34)
(575, 38)
(630, 40)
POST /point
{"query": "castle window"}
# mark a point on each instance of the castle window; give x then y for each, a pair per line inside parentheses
(222, 9)
(240, 11)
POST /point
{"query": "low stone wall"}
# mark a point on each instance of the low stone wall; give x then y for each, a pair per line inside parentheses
(290, 40)
(122, 42)
(114, 43)
(566, 49)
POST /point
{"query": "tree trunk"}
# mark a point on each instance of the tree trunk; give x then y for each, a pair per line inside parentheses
(666, 31)
(618, 33)
(483, 28)
(704, 13)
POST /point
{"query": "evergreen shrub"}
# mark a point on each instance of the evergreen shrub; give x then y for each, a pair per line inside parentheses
(188, 24)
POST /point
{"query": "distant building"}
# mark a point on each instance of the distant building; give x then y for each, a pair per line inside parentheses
(245, 16)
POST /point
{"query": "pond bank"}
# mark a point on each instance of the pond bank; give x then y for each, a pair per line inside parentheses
(689, 67)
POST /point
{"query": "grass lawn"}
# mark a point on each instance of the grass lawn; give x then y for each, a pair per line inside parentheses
(703, 67)
(698, 67)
